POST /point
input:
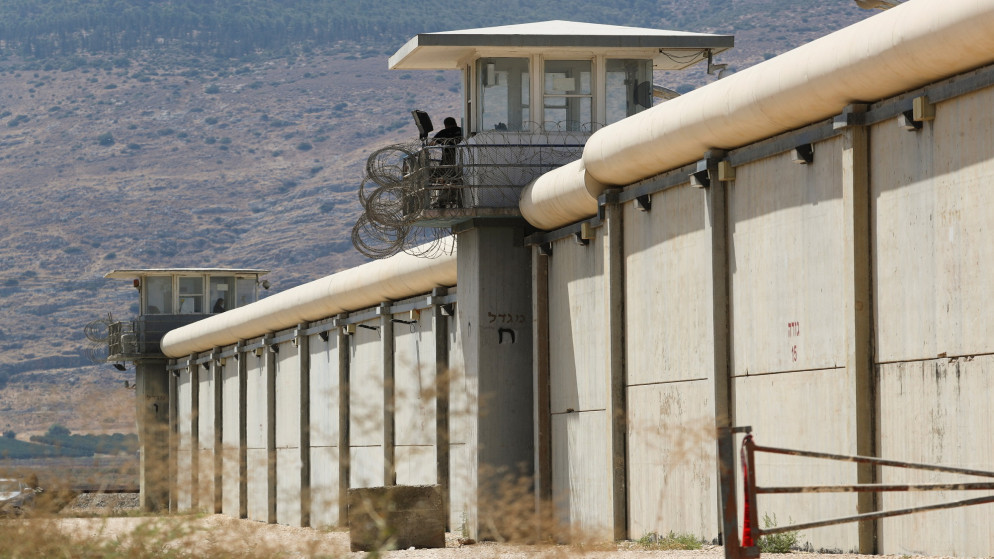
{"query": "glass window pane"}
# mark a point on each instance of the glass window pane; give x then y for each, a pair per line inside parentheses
(191, 295)
(503, 85)
(222, 293)
(568, 113)
(567, 77)
(629, 88)
(159, 295)
(567, 96)
(246, 290)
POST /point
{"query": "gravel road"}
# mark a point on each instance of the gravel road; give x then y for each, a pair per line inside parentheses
(215, 535)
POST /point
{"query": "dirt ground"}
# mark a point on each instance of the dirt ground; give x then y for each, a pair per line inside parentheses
(214, 535)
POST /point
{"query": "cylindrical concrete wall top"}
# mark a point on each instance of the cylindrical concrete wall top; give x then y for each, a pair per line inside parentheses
(402, 275)
(909, 46)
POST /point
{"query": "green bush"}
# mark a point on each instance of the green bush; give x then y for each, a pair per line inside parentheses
(670, 541)
(212, 89)
(105, 139)
(783, 542)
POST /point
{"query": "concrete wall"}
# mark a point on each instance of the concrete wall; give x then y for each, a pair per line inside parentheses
(836, 306)
(581, 463)
(257, 435)
(932, 207)
(232, 411)
(324, 430)
(185, 441)
(672, 484)
(268, 411)
(856, 324)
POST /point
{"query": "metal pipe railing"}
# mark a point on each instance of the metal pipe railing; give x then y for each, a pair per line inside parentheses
(752, 532)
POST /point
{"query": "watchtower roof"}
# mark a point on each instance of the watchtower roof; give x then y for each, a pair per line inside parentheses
(449, 50)
(126, 274)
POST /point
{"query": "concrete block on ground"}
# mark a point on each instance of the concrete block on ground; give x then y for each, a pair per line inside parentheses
(396, 517)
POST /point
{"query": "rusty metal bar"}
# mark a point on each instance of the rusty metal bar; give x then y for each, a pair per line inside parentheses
(872, 460)
(874, 487)
(873, 516)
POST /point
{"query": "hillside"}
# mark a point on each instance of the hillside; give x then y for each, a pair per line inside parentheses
(158, 157)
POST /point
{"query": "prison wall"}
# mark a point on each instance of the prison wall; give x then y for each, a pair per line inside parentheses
(278, 427)
(826, 286)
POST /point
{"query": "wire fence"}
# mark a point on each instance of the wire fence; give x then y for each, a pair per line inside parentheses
(413, 192)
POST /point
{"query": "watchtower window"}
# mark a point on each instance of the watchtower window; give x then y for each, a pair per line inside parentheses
(159, 295)
(222, 294)
(246, 291)
(568, 95)
(504, 93)
(191, 295)
(629, 87)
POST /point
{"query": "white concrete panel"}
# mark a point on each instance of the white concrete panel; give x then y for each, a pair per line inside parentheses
(415, 465)
(288, 488)
(668, 330)
(230, 477)
(256, 394)
(462, 403)
(581, 473)
(809, 410)
(366, 468)
(184, 441)
(786, 261)
(577, 340)
(324, 487)
(184, 410)
(462, 488)
(324, 390)
(287, 396)
(205, 481)
(184, 489)
(207, 415)
(937, 412)
(230, 410)
(934, 247)
(288, 460)
(207, 409)
(414, 381)
(257, 481)
(672, 479)
(366, 386)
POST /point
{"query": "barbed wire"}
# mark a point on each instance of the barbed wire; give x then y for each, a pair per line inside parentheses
(413, 191)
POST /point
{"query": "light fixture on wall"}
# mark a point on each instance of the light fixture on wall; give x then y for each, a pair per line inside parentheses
(804, 154)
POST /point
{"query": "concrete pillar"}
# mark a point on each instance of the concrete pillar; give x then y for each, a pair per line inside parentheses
(344, 444)
(173, 438)
(389, 433)
(440, 328)
(494, 313)
(614, 297)
(218, 443)
(242, 429)
(270, 352)
(717, 227)
(541, 386)
(858, 294)
(304, 366)
(194, 477)
(153, 413)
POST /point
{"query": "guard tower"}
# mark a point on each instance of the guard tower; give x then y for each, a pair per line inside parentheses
(532, 94)
(168, 298)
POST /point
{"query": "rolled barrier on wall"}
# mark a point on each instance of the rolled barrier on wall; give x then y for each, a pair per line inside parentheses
(397, 277)
(914, 44)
